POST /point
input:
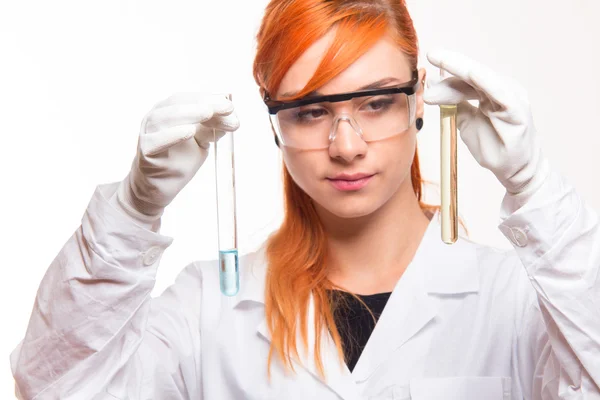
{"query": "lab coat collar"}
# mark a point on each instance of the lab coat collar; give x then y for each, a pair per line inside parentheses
(436, 268)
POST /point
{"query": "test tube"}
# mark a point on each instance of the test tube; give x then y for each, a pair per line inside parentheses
(448, 167)
(226, 216)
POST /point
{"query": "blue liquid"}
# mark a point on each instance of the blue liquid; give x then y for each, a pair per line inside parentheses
(228, 272)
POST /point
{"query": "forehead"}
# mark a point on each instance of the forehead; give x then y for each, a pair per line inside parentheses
(384, 59)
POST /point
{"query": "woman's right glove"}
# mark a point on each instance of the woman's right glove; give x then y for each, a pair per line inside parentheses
(172, 145)
(500, 132)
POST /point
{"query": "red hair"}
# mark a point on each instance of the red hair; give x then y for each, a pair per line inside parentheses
(297, 251)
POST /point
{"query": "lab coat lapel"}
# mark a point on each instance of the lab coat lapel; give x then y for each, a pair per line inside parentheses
(436, 268)
(338, 377)
(253, 270)
(407, 311)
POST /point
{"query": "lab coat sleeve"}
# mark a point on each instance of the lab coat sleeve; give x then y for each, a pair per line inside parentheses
(557, 238)
(95, 332)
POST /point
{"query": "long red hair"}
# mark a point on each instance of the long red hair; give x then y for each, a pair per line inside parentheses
(297, 251)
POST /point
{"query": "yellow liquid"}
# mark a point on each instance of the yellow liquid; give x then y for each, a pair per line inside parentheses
(449, 206)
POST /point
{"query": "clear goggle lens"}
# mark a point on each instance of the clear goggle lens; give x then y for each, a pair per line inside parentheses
(314, 126)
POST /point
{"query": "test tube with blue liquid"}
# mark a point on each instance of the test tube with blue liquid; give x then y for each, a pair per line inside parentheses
(226, 216)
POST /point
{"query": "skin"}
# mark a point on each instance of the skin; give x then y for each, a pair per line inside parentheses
(373, 232)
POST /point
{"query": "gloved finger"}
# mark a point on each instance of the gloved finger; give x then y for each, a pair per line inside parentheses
(479, 136)
(432, 80)
(179, 114)
(183, 114)
(155, 143)
(227, 123)
(450, 91)
(467, 115)
(220, 103)
(216, 126)
(472, 72)
(206, 135)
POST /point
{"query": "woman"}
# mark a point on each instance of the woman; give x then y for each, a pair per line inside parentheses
(460, 322)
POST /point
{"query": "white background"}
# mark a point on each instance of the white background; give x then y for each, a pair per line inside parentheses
(76, 79)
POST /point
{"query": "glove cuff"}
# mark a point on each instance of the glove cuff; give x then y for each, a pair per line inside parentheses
(541, 173)
(514, 201)
(124, 200)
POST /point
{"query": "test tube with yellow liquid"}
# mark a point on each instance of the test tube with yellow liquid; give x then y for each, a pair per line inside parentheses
(448, 167)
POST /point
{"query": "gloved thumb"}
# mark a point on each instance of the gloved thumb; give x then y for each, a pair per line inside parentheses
(449, 91)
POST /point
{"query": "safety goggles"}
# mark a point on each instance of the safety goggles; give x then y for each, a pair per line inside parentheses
(311, 123)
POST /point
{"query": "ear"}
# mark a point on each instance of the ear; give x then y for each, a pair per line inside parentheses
(420, 91)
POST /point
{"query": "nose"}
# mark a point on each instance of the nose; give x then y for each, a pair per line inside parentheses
(346, 140)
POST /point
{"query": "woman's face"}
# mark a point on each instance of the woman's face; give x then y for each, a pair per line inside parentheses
(389, 159)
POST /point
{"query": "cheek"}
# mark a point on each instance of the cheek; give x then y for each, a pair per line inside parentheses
(397, 155)
(301, 167)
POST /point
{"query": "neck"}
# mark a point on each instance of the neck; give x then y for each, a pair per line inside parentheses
(369, 254)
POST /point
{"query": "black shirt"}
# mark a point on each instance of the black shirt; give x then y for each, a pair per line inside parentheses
(354, 322)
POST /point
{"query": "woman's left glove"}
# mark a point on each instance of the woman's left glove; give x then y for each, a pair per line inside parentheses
(500, 132)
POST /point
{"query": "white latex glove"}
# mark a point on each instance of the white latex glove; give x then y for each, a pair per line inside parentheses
(172, 145)
(500, 133)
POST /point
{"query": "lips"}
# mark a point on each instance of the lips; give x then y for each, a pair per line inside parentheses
(350, 177)
(359, 181)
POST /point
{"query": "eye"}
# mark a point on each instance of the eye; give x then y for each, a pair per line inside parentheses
(379, 104)
(310, 114)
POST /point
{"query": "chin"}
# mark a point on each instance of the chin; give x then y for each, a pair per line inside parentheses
(347, 208)
(352, 214)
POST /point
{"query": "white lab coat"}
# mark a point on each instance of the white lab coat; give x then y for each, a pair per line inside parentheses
(465, 321)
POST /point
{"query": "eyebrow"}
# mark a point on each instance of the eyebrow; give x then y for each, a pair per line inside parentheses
(374, 85)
